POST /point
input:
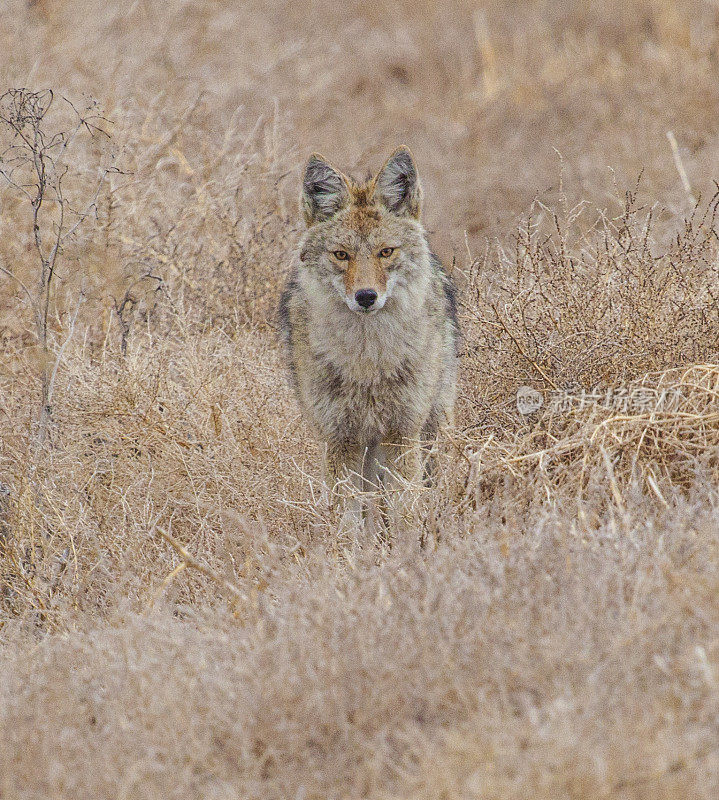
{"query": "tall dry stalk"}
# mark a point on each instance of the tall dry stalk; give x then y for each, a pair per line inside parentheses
(34, 161)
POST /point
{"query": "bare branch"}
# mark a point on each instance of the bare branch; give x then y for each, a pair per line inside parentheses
(235, 592)
(34, 164)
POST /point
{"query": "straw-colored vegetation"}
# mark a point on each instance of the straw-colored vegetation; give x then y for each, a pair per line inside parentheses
(179, 617)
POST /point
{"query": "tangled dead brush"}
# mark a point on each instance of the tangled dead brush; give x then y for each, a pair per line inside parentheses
(153, 439)
(658, 433)
(613, 335)
(585, 299)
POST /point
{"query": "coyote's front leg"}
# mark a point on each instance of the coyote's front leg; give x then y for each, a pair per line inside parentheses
(404, 458)
(344, 466)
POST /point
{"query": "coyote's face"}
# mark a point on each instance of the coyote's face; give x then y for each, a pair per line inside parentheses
(364, 241)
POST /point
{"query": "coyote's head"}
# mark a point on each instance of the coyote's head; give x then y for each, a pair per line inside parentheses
(364, 239)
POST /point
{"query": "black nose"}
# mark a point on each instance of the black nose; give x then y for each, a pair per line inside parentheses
(366, 297)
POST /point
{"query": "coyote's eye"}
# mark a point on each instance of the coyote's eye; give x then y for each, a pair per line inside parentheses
(341, 255)
(386, 252)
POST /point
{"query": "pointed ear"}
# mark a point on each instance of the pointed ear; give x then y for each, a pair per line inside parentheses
(324, 190)
(397, 184)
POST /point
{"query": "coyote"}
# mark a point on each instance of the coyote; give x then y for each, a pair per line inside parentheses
(368, 317)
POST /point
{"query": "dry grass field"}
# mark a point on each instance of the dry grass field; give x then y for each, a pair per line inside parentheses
(179, 616)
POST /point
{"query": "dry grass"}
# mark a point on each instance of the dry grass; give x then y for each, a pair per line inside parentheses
(178, 615)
